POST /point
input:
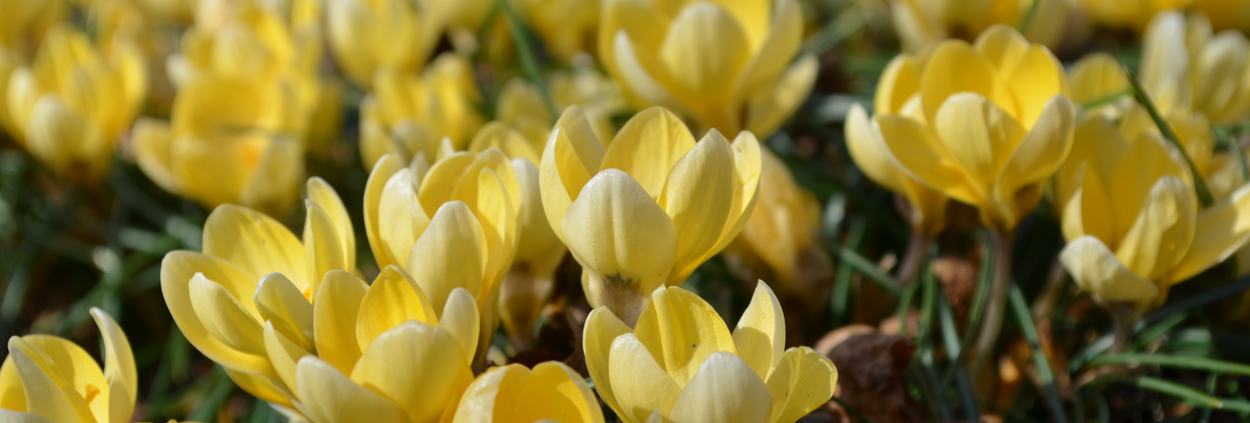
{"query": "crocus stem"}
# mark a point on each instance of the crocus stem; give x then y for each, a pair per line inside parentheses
(914, 259)
(996, 303)
(1122, 318)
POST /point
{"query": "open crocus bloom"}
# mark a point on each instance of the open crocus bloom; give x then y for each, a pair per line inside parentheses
(50, 379)
(927, 207)
(651, 208)
(552, 391)
(1133, 224)
(1186, 66)
(453, 224)
(405, 113)
(922, 23)
(71, 105)
(721, 64)
(368, 35)
(681, 363)
(984, 124)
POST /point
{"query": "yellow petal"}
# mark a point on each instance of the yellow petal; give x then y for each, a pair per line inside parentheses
(572, 155)
(561, 395)
(225, 317)
(899, 82)
(681, 330)
(644, 76)
(460, 319)
(151, 142)
(482, 400)
(1162, 232)
(602, 328)
(955, 67)
(20, 417)
(1221, 229)
(392, 299)
(648, 147)
(1139, 167)
(119, 368)
(401, 219)
(321, 193)
(639, 384)
(748, 165)
(760, 335)
(77, 374)
(450, 254)
(415, 361)
(774, 103)
(1165, 62)
(1097, 270)
(334, 319)
(285, 355)
(1035, 158)
(499, 135)
(379, 178)
(724, 390)
(177, 270)
(321, 246)
(802, 381)
(279, 301)
(705, 49)
(264, 387)
(274, 183)
(623, 237)
(256, 243)
(329, 396)
(46, 395)
(1096, 76)
(1035, 80)
(979, 135)
(775, 51)
(697, 197)
(925, 159)
(1003, 46)
(870, 152)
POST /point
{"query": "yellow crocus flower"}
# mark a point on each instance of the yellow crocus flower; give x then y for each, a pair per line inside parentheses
(234, 126)
(681, 363)
(567, 27)
(1226, 14)
(1098, 77)
(1133, 223)
(25, 23)
(721, 65)
(368, 35)
(926, 210)
(406, 114)
(552, 391)
(71, 105)
(1133, 14)
(923, 23)
(453, 224)
(50, 379)
(1186, 66)
(779, 239)
(985, 124)
(651, 208)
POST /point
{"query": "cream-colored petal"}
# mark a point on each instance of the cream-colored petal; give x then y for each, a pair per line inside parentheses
(324, 195)
(802, 381)
(392, 299)
(285, 355)
(329, 396)
(899, 82)
(417, 366)
(648, 147)
(1097, 270)
(622, 236)
(280, 302)
(639, 384)
(401, 218)
(1220, 230)
(776, 51)
(379, 178)
(460, 319)
(450, 254)
(256, 243)
(760, 336)
(681, 331)
(1096, 76)
(724, 390)
(177, 270)
(1165, 62)
(698, 197)
(334, 319)
(571, 157)
(225, 317)
(601, 330)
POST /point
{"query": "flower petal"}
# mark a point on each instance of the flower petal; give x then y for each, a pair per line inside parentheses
(1097, 270)
(329, 396)
(46, 394)
(379, 179)
(392, 299)
(334, 319)
(648, 147)
(284, 354)
(704, 50)
(1162, 232)
(760, 335)
(417, 366)
(254, 242)
(602, 329)
(225, 317)
(681, 330)
(321, 246)
(724, 390)
(401, 218)
(1221, 229)
(955, 67)
(279, 301)
(802, 381)
(774, 103)
(177, 270)
(698, 196)
(571, 157)
(460, 319)
(638, 382)
(925, 159)
(450, 254)
(323, 195)
(119, 368)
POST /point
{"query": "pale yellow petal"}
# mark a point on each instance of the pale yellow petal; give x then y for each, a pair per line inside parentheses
(225, 317)
(724, 390)
(392, 299)
(639, 384)
(571, 157)
(681, 330)
(648, 146)
(760, 336)
(320, 192)
(177, 270)
(698, 197)
(955, 67)
(417, 366)
(803, 381)
(1097, 270)
(329, 396)
(460, 319)
(774, 103)
(704, 50)
(400, 217)
(321, 246)
(450, 254)
(1221, 229)
(119, 368)
(923, 157)
(279, 301)
(334, 319)
(46, 395)
(979, 135)
(379, 178)
(601, 330)
(255, 243)
(285, 355)
(1162, 232)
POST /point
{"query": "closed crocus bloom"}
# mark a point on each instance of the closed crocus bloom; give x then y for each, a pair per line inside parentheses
(567, 27)
(368, 35)
(254, 273)
(721, 65)
(1186, 66)
(1133, 14)
(73, 103)
(406, 114)
(1133, 224)
(550, 392)
(651, 208)
(453, 224)
(236, 127)
(50, 379)
(527, 285)
(923, 23)
(681, 363)
(984, 124)
(781, 233)
(1098, 77)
